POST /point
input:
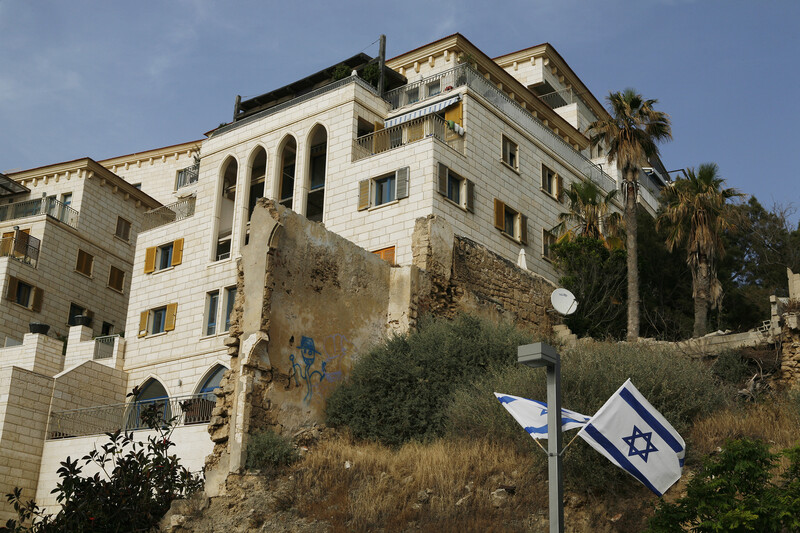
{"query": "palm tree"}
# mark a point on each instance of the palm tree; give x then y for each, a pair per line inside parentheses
(630, 135)
(589, 215)
(696, 213)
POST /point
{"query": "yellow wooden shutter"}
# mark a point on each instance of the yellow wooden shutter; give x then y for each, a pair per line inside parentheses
(499, 215)
(11, 293)
(38, 296)
(380, 139)
(177, 252)
(143, 323)
(169, 321)
(6, 243)
(363, 194)
(150, 260)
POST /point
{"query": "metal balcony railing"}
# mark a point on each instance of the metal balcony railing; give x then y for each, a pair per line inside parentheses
(406, 133)
(40, 206)
(187, 176)
(21, 247)
(566, 97)
(104, 347)
(465, 75)
(168, 213)
(187, 410)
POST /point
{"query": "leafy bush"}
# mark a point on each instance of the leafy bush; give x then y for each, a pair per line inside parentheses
(680, 388)
(730, 367)
(136, 487)
(399, 391)
(734, 492)
(267, 450)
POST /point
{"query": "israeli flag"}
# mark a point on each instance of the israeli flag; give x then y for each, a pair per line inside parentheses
(637, 438)
(532, 415)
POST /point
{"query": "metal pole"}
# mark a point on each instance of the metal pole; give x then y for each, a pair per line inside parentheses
(381, 61)
(536, 355)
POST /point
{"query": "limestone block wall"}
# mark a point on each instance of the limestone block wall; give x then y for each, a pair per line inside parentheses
(24, 404)
(794, 284)
(37, 353)
(88, 385)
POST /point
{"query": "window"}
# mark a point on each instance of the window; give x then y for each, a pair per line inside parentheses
(66, 198)
(123, 230)
(116, 278)
(456, 189)
(548, 239)
(434, 87)
(76, 311)
(188, 175)
(510, 151)
(24, 294)
(412, 95)
(387, 254)
(158, 320)
(85, 262)
(107, 329)
(164, 256)
(230, 302)
(383, 190)
(551, 182)
(510, 222)
(212, 301)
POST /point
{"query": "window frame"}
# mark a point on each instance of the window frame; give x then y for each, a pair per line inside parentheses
(519, 222)
(229, 304)
(554, 183)
(28, 298)
(384, 184)
(510, 156)
(466, 192)
(153, 256)
(121, 277)
(126, 234)
(368, 189)
(211, 319)
(548, 239)
(158, 320)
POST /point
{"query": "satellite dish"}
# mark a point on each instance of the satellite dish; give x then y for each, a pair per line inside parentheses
(563, 301)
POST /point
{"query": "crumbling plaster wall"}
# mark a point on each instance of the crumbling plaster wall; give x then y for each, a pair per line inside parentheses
(310, 302)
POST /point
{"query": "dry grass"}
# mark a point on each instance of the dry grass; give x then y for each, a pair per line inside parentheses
(441, 486)
(777, 423)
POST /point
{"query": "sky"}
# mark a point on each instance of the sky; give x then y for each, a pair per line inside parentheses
(102, 79)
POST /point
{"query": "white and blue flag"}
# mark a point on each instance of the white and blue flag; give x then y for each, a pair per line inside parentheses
(532, 415)
(637, 438)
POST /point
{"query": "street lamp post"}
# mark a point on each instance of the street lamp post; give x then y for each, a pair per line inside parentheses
(537, 355)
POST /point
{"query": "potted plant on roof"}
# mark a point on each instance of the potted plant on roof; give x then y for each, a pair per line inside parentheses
(39, 327)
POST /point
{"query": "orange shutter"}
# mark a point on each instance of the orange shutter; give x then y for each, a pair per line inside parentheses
(38, 296)
(177, 252)
(455, 113)
(143, 323)
(380, 139)
(499, 215)
(169, 321)
(11, 293)
(150, 260)
(363, 194)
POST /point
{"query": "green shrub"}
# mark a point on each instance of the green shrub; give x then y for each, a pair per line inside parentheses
(399, 390)
(731, 367)
(266, 450)
(680, 388)
(734, 492)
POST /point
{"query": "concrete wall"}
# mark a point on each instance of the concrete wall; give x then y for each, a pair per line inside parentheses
(37, 353)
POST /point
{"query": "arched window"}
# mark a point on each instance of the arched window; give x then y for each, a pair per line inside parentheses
(258, 172)
(286, 181)
(318, 141)
(151, 395)
(197, 409)
(227, 202)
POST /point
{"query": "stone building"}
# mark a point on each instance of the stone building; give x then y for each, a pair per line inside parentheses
(453, 176)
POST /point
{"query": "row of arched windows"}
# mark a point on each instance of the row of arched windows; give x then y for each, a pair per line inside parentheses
(307, 199)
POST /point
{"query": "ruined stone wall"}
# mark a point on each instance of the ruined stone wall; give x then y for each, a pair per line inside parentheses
(790, 352)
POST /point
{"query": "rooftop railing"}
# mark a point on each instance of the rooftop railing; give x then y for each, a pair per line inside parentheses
(406, 133)
(40, 206)
(187, 410)
(21, 247)
(566, 97)
(465, 75)
(104, 347)
(168, 213)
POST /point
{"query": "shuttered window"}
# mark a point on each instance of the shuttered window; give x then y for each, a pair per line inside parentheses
(84, 263)
(387, 254)
(164, 256)
(24, 294)
(456, 188)
(383, 189)
(510, 222)
(123, 230)
(158, 320)
(116, 278)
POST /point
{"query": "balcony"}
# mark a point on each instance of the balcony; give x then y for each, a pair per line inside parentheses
(40, 206)
(407, 133)
(22, 247)
(168, 213)
(187, 176)
(565, 97)
(187, 410)
(465, 75)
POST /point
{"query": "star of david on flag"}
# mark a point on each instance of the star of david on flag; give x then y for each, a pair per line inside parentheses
(637, 438)
(532, 415)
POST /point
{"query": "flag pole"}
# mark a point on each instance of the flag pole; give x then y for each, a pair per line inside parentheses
(537, 355)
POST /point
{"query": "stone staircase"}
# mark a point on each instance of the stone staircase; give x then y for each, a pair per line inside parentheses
(564, 335)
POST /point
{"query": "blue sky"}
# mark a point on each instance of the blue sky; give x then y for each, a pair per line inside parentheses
(101, 79)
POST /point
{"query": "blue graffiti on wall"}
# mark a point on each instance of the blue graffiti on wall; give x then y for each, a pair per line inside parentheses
(305, 374)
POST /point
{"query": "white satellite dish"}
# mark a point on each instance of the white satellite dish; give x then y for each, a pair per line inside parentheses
(563, 301)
